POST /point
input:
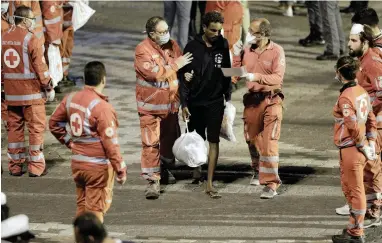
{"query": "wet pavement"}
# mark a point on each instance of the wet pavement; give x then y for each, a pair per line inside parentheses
(304, 210)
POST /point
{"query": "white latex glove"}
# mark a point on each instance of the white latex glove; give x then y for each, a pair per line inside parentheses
(237, 48)
(367, 151)
(184, 60)
(250, 77)
(188, 76)
(372, 148)
(50, 95)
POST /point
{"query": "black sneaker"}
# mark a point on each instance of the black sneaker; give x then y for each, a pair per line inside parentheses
(345, 237)
(327, 56)
(311, 40)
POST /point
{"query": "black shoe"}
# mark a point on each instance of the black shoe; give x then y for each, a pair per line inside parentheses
(345, 237)
(167, 177)
(16, 174)
(327, 56)
(34, 175)
(311, 40)
(347, 10)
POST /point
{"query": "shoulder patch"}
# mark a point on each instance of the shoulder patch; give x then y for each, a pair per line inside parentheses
(346, 112)
(109, 132)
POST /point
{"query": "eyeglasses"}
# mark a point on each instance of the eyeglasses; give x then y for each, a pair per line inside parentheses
(338, 69)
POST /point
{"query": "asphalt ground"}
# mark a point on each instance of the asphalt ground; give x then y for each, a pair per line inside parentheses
(304, 210)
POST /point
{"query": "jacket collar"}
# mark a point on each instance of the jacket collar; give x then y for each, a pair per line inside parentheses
(91, 89)
(348, 85)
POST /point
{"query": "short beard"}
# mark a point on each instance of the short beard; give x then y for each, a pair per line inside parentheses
(357, 53)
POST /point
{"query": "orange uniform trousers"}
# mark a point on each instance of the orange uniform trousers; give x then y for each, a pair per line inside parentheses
(94, 188)
(352, 163)
(67, 42)
(34, 116)
(262, 131)
(158, 133)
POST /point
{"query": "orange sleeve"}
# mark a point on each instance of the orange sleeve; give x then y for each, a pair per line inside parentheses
(57, 124)
(52, 15)
(374, 74)
(107, 125)
(350, 121)
(39, 63)
(371, 126)
(150, 66)
(278, 70)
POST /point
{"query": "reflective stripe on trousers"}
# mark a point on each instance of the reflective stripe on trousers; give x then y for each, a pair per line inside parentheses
(85, 158)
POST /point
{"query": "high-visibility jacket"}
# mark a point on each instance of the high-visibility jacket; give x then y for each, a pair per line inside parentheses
(52, 14)
(157, 82)
(87, 123)
(24, 68)
(36, 9)
(354, 118)
(370, 78)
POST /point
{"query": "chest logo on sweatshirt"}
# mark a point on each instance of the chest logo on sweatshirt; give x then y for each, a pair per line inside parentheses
(218, 60)
(11, 58)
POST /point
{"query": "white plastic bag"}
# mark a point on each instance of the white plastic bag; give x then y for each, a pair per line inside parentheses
(190, 149)
(81, 14)
(226, 130)
(55, 64)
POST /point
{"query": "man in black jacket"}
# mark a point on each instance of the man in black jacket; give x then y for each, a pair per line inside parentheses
(203, 88)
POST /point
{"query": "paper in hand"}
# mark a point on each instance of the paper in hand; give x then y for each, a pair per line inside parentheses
(234, 72)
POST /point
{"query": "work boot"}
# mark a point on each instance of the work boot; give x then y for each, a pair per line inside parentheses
(268, 193)
(153, 190)
(372, 222)
(344, 210)
(345, 237)
(255, 179)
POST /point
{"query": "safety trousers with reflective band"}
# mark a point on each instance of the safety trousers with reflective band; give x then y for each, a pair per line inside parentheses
(34, 116)
(262, 130)
(66, 49)
(158, 135)
(94, 188)
(352, 163)
(373, 186)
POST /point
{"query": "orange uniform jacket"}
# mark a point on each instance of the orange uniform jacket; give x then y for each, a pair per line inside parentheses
(4, 27)
(52, 14)
(24, 69)
(354, 117)
(378, 45)
(370, 78)
(269, 66)
(35, 6)
(85, 122)
(157, 83)
(232, 12)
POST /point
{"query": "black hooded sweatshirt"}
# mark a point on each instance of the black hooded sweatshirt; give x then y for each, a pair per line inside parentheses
(208, 84)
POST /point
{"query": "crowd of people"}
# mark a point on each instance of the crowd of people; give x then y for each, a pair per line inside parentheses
(187, 76)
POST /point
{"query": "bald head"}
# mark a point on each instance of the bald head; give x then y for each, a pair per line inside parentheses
(261, 26)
